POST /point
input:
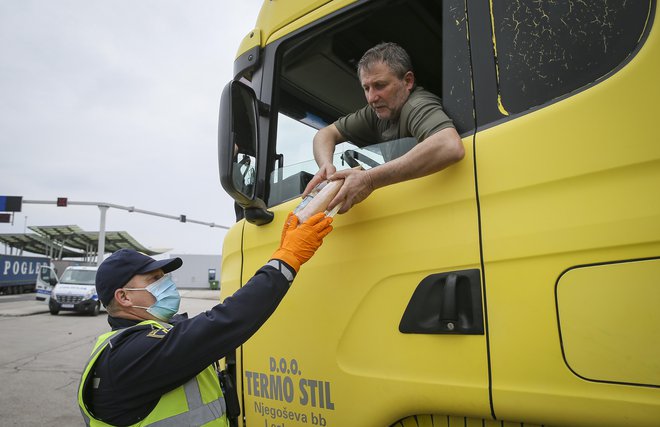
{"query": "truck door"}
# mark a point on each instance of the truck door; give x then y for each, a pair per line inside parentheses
(386, 321)
(46, 281)
(568, 169)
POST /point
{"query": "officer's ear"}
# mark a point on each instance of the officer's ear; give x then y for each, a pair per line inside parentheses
(122, 296)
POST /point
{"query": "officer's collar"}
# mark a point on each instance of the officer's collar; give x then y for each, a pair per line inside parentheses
(121, 323)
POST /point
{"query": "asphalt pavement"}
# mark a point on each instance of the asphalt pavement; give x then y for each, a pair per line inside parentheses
(27, 305)
(43, 356)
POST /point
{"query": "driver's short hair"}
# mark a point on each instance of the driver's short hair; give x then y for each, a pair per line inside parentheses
(391, 54)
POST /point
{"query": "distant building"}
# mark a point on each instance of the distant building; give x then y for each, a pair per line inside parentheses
(196, 270)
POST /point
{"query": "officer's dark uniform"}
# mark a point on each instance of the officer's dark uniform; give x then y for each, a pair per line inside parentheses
(141, 365)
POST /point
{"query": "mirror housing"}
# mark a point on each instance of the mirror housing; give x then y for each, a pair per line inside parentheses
(238, 136)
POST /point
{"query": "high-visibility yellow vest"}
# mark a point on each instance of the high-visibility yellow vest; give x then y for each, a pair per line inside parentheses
(199, 402)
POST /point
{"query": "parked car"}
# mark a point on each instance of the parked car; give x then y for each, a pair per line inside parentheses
(76, 291)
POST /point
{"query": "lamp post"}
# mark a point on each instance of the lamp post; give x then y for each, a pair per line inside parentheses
(101, 249)
(103, 207)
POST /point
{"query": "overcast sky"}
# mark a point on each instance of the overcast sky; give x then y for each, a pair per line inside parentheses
(117, 101)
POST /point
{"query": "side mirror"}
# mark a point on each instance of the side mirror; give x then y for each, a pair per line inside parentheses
(53, 281)
(238, 135)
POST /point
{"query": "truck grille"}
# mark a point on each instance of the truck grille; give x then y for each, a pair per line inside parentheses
(69, 299)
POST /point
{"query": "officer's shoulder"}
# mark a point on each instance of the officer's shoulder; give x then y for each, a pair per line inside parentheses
(149, 331)
(157, 333)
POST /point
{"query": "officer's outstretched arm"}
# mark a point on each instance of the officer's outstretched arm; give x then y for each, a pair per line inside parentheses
(300, 241)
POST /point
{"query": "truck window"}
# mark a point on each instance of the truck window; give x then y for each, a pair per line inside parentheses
(549, 49)
(316, 80)
(296, 165)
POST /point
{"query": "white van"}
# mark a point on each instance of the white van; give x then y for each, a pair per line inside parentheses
(76, 291)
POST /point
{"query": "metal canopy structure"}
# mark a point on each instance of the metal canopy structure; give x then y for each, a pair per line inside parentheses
(74, 237)
(70, 241)
(38, 245)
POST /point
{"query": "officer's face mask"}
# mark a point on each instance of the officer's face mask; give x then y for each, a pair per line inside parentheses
(167, 298)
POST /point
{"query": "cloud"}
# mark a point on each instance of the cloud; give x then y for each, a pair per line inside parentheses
(118, 102)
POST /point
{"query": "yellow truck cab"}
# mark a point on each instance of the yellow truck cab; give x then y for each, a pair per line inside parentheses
(520, 285)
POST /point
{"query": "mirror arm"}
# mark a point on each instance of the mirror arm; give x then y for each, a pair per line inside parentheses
(258, 216)
(263, 108)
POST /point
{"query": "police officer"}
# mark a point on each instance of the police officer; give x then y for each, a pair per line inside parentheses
(157, 369)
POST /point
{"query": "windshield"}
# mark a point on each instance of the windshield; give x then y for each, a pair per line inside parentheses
(79, 277)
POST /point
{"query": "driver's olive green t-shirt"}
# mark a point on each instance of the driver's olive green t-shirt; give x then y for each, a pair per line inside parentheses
(421, 116)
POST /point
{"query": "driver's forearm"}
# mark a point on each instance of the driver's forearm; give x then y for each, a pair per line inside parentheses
(431, 155)
(324, 144)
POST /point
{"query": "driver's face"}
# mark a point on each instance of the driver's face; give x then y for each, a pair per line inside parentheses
(385, 92)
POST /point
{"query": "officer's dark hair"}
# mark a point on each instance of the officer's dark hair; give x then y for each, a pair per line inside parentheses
(391, 54)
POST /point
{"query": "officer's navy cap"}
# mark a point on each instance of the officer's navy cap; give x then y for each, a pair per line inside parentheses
(121, 266)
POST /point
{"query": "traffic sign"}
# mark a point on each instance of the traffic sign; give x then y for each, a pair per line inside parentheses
(11, 203)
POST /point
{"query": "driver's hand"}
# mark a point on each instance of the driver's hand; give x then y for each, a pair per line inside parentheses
(357, 187)
(324, 172)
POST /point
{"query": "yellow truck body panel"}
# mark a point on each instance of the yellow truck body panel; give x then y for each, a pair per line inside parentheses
(554, 210)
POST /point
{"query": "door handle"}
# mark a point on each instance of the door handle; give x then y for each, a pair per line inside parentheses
(448, 313)
(445, 303)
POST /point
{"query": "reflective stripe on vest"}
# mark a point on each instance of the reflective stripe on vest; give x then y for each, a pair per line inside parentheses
(197, 414)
